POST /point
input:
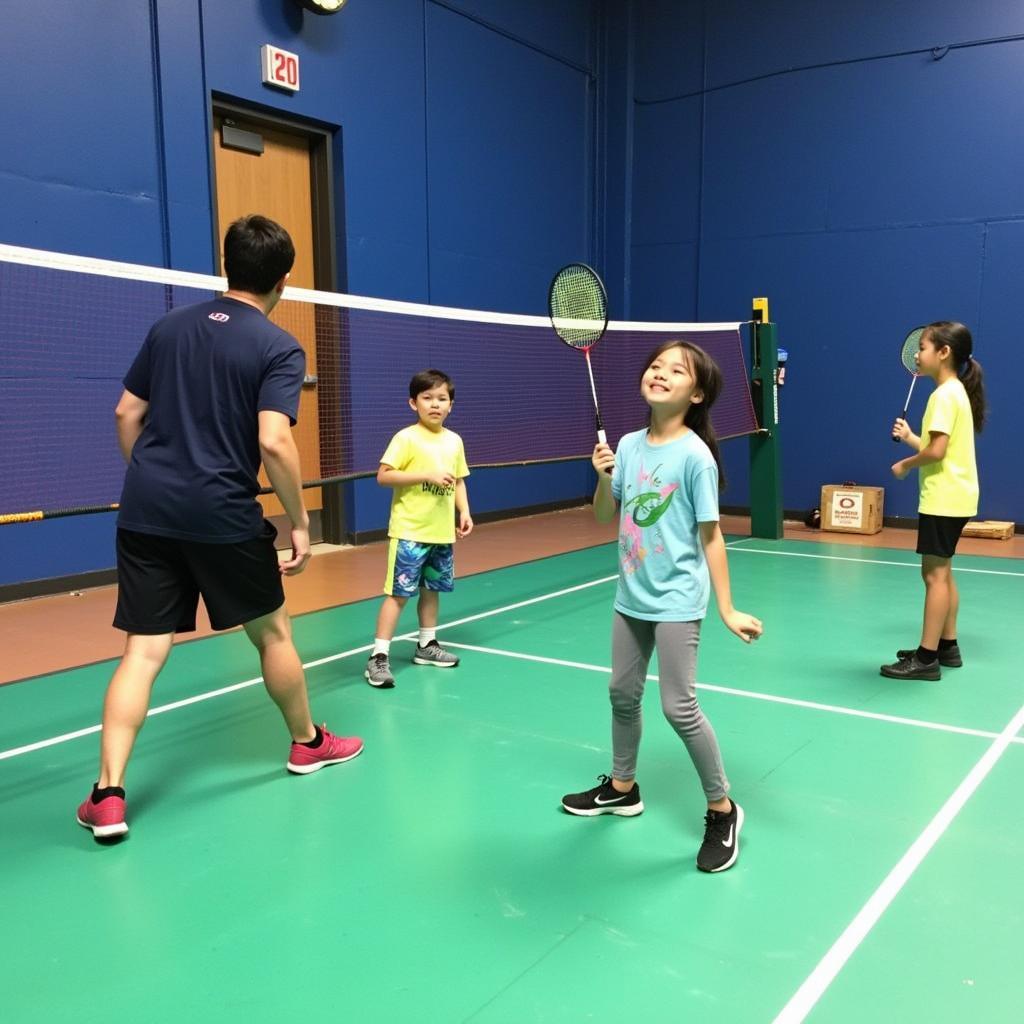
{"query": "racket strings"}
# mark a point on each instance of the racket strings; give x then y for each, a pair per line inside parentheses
(579, 311)
(910, 349)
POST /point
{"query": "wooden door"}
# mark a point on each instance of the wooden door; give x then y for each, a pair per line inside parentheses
(278, 184)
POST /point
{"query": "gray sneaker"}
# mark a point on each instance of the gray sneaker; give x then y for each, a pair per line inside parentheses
(378, 672)
(434, 654)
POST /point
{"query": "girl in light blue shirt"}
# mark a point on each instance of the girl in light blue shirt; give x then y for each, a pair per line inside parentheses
(663, 483)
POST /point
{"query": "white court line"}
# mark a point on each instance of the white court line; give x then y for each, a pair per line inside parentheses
(835, 709)
(832, 963)
(65, 737)
(862, 561)
(90, 730)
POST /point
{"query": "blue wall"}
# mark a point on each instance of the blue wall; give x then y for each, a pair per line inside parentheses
(467, 131)
(699, 153)
(864, 189)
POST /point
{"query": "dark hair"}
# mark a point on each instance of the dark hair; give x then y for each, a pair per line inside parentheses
(425, 380)
(968, 369)
(258, 252)
(708, 380)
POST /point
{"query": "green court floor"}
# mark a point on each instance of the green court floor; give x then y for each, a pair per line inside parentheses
(435, 879)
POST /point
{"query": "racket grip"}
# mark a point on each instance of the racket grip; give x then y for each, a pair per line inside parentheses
(902, 416)
(603, 438)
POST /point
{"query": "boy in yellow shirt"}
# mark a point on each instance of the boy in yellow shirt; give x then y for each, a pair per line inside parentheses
(426, 466)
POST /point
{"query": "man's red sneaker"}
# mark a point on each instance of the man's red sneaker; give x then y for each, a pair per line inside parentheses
(333, 750)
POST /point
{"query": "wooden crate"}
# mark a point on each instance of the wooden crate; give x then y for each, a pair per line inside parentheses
(993, 529)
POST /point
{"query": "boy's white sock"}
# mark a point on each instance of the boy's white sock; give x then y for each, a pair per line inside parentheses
(426, 635)
(381, 646)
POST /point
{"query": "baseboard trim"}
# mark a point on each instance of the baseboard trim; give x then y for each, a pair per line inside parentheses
(56, 585)
(798, 515)
(105, 577)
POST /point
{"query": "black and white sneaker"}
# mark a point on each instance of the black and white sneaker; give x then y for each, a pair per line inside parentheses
(378, 672)
(434, 654)
(948, 658)
(604, 799)
(721, 844)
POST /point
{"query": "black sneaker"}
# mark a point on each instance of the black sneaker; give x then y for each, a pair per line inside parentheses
(948, 658)
(721, 844)
(604, 799)
(911, 668)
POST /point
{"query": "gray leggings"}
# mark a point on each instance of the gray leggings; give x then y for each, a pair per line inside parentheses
(633, 642)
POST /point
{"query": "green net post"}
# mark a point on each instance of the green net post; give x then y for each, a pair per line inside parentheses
(765, 463)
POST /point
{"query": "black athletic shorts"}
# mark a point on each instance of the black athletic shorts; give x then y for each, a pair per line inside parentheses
(159, 581)
(938, 535)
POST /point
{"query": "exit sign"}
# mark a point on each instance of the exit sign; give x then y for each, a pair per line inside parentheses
(280, 68)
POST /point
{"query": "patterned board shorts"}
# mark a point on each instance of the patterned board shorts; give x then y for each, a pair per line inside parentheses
(412, 565)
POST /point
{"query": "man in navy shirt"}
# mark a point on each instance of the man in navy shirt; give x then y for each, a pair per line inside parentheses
(212, 393)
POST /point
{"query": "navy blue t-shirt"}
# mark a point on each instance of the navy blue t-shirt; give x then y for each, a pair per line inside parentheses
(206, 372)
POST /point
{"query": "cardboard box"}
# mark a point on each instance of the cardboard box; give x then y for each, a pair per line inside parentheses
(850, 508)
(994, 529)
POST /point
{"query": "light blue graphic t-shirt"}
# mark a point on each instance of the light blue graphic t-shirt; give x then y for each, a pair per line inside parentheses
(664, 491)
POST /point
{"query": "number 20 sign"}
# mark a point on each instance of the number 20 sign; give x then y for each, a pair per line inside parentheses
(280, 68)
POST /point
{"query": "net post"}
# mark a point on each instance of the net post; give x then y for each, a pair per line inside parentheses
(333, 524)
(765, 455)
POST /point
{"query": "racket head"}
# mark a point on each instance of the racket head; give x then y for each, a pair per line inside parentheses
(911, 344)
(578, 306)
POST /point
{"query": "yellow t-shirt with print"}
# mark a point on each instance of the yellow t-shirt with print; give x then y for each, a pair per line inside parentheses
(425, 512)
(949, 487)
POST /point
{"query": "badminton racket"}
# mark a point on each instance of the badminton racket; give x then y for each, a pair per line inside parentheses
(578, 305)
(911, 344)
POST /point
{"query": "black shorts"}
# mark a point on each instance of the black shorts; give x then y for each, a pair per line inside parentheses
(938, 535)
(159, 580)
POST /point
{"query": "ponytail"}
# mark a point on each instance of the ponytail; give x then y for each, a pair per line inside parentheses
(974, 384)
(698, 419)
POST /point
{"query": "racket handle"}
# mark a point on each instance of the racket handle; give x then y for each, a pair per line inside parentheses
(903, 416)
(603, 438)
(906, 407)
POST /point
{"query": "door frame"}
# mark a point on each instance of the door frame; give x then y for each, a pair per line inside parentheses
(328, 214)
